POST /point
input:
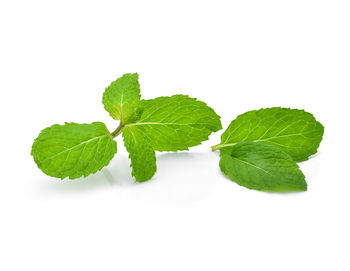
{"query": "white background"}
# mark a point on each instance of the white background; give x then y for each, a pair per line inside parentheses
(57, 57)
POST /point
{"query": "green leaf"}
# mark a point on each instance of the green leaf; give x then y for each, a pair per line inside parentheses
(73, 150)
(122, 97)
(262, 167)
(141, 154)
(295, 131)
(175, 123)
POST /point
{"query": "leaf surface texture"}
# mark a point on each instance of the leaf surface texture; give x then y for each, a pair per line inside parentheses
(295, 131)
(141, 154)
(122, 97)
(175, 123)
(73, 150)
(262, 167)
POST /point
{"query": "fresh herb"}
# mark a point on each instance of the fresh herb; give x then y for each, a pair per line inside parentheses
(259, 149)
(162, 124)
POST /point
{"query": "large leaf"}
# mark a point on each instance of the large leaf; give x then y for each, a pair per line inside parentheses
(73, 150)
(262, 167)
(295, 131)
(175, 123)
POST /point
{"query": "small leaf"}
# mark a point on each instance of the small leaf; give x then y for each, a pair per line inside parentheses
(122, 97)
(73, 150)
(141, 154)
(175, 123)
(262, 167)
(295, 131)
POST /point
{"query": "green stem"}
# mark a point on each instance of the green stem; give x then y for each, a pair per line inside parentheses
(220, 146)
(215, 147)
(117, 131)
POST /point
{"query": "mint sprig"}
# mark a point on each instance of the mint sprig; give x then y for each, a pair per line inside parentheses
(260, 148)
(162, 124)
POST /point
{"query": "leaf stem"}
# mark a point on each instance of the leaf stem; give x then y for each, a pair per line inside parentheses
(117, 131)
(215, 147)
(220, 146)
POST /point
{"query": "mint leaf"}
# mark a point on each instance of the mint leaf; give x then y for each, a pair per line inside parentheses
(175, 123)
(262, 167)
(295, 131)
(122, 97)
(141, 154)
(73, 150)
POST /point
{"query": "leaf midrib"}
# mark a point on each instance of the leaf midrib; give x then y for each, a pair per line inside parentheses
(70, 149)
(160, 123)
(252, 165)
(259, 140)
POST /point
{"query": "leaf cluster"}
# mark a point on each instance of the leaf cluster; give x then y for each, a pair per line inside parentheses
(162, 124)
(259, 149)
